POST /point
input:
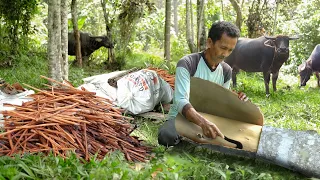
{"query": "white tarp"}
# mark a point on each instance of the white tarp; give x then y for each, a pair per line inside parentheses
(16, 99)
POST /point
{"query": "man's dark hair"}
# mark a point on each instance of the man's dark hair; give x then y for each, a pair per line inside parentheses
(220, 27)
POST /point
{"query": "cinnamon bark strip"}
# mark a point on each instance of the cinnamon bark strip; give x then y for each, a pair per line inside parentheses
(51, 131)
(8, 132)
(85, 141)
(88, 111)
(2, 152)
(57, 138)
(98, 104)
(73, 118)
(114, 143)
(52, 90)
(135, 153)
(79, 142)
(61, 121)
(61, 141)
(58, 99)
(20, 107)
(35, 126)
(70, 90)
(46, 93)
(126, 153)
(26, 140)
(104, 128)
(120, 140)
(48, 115)
(16, 114)
(57, 82)
(53, 143)
(76, 100)
(10, 140)
(61, 108)
(139, 150)
(134, 157)
(103, 100)
(94, 106)
(80, 92)
(7, 123)
(43, 145)
(39, 110)
(105, 148)
(118, 115)
(91, 117)
(48, 149)
(4, 147)
(16, 134)
(68, 136)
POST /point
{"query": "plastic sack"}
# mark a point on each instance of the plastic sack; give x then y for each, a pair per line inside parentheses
(141, 91)
(99, 84)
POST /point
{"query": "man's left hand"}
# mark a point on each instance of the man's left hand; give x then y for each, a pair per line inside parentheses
(242, 96)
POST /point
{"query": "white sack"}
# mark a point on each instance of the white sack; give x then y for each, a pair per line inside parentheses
(141, 91)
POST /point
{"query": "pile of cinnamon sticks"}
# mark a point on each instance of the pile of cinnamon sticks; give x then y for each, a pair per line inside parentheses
(63, 119)
(165, 75)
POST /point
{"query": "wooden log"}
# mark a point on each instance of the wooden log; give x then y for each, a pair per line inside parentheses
(113, 81)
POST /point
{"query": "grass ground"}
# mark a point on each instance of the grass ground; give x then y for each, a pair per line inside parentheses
(290, 107)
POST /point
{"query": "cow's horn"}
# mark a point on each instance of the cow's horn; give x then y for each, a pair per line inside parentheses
(269, 37)
(302, 66)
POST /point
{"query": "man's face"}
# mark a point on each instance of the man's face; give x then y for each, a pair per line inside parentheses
(220, 49)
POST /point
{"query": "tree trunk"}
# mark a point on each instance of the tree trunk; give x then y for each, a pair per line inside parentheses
(109, 25)
(189, 35)
(159, 4)
(192, 23)
(275, 18)
(175, 17)
(64, 39)
(146, 46)
(222, 9)
(76, 32)
(253, 19)
(237, 8)
(201, 40)
(242, 3)
(54, 40)
(167, 31)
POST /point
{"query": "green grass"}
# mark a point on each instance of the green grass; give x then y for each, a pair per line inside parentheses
(289, 107)
(29, 68)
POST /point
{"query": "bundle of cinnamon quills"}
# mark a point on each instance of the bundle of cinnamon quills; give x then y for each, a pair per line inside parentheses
(165, 75)
(64, 119)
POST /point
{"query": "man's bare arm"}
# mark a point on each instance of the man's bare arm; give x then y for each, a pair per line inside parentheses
(209, 129)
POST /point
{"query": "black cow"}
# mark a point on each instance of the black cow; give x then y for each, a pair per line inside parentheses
(264, 54)
(88, 44)
(309, 66)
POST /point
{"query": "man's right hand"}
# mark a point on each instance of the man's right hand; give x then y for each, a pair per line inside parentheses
(210, 130)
